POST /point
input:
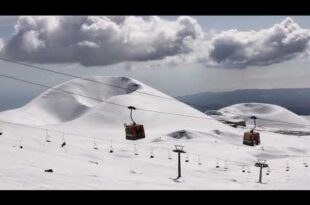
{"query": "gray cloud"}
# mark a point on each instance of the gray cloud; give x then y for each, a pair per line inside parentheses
(99, 40)
(95, 40)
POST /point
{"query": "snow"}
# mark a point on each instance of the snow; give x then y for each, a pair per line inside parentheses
(79, 166)
(279, 117)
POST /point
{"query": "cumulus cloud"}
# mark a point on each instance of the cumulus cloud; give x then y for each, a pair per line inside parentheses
(100, 40)
(236, 49)
(281, 42)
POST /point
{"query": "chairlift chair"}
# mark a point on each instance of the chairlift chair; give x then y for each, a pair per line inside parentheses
(169, 155)
(63, 140)
(251, 138)
(287, 167)
(152, 155)
(225, 166)
(95, 146)
(111, 148)
(186, 160)
(47, 138)
(199, 161)
(135, 150)
(217, 164)
(134, 131)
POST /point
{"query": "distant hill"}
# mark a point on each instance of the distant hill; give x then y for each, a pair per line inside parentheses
(297, 99)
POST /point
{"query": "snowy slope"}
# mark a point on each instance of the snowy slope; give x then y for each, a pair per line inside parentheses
(278, 116)
(79, 166)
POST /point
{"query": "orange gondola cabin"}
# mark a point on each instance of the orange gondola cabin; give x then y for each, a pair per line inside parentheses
(134, 131)
(251, 138)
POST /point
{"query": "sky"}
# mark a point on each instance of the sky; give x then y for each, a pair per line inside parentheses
(178, 55)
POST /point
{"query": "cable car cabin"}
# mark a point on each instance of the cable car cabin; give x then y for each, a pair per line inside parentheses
(134, 132)
(251, 138)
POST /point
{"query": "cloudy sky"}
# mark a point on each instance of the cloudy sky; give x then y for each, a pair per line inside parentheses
(178, 55)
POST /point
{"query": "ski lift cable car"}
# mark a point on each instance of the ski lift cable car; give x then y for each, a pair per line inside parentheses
(134, 131)
(252, 138)
(186, 159)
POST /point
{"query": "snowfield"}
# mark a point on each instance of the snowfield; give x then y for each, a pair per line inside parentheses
(85, 121)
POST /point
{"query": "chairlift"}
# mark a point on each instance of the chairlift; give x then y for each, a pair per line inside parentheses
(169, 154)
(151, 155)
(199, 162)
(225, 167)
(251, 138)
(287, 167)
(63, 139)
(20, 144)
(186, 159)
(217, 164)
(95, 144)
(135, 150)
(134, 131)
(1, 132)
(243, 169)
(305, 163)
(47, 137)
(111, 148)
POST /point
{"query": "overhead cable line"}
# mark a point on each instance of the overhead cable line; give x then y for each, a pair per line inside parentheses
(82, 78)
(97, 99)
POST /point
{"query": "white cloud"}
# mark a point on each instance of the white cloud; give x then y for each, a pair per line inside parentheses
(281, 42)
(100, 40)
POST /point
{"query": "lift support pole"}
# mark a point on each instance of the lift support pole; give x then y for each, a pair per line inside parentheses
(261, 164)
(179, 150)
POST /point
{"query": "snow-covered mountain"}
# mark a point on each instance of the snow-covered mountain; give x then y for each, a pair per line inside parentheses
(97, 119)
